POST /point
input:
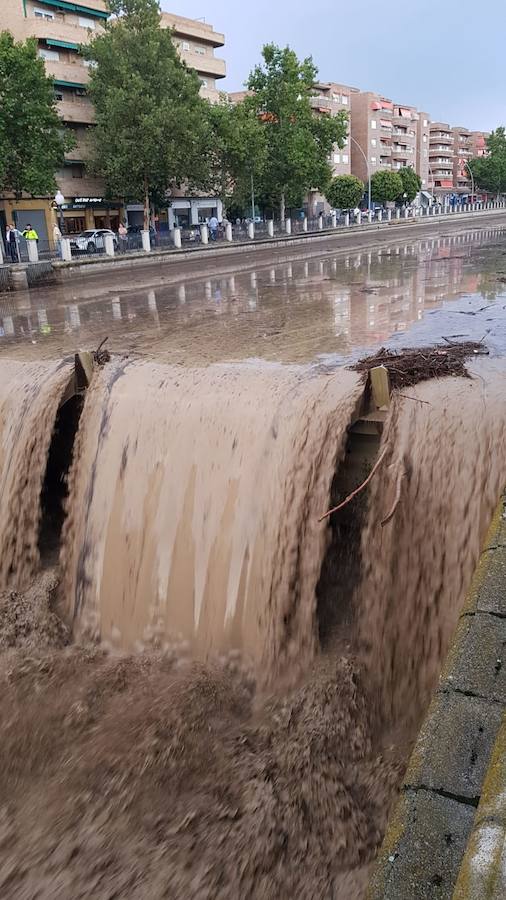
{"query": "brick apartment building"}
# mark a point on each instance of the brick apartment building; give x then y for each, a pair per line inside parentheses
(61, 27)
(329, 99)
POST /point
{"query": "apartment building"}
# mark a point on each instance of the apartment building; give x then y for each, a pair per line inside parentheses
(462, 153)
(479, 142)
(330, 99)
(441, 152)
(388, 135)
(61, 28)
(196, 41)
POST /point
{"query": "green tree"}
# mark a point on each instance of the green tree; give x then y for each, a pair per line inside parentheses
(32, 137)
(151, 130)
(386, 186)
(411, 184)
(298, 142)
(237, 151)
(489, 172)
(345, 192)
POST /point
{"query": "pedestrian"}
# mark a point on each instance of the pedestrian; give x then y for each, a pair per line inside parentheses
(12, 236)
(123, 237)
(30, 234)
(57, 236)
(213, 227)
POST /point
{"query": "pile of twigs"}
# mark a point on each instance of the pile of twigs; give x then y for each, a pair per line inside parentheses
(415, 364)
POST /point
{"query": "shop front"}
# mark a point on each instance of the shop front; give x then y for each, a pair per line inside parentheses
(82, 213)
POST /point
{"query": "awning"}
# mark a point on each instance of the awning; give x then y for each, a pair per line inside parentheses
(405, 112)
(69, 84)
(76, 7)
(385, 123)
(51, 42)
(375, 104)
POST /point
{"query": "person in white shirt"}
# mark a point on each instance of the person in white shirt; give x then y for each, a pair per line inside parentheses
(213, 227)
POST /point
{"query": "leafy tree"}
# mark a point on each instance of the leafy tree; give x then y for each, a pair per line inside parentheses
(411, 184)
(32, 138)
(489, 172)
(298, 142)
(345, 192)
(151, 129)
(386, 186)
(237, 151)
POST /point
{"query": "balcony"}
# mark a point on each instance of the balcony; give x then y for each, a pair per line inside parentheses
(78, 110)
(204, 63)
(72, 73)
(59, 30)
(440, 150)
(184, 28)
(443, 136)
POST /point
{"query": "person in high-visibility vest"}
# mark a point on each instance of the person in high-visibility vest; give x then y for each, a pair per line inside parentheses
(30, 234)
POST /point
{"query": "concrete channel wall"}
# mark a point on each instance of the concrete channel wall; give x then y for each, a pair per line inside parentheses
(447, 835)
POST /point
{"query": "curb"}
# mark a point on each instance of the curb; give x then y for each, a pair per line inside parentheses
(454, 791)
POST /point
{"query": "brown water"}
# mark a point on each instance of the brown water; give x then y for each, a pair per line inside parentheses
(29, 398)
(288, 311)
(235, 756)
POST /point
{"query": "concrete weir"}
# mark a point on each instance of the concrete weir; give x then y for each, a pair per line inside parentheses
(447, 835)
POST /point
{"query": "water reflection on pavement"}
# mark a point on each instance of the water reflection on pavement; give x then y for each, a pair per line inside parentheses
(292, 312)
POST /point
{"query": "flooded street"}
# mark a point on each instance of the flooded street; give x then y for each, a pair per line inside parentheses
(288, 312)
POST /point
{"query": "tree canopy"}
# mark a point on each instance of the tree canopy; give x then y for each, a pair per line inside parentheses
(298, 142)
(386, 186)
(151, 129)
(237, 151)
(32, 138)
(345, 192)
(489, 172)
(411, 184)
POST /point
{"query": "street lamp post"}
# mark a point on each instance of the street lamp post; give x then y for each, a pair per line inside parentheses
(59, 199)
(352, 139)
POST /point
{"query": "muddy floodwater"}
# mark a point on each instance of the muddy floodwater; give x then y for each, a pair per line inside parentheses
(210, 688)
(288, 312)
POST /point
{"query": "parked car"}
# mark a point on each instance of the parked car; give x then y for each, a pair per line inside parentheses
(92, 240)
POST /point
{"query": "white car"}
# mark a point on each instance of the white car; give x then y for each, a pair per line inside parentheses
(92, 240)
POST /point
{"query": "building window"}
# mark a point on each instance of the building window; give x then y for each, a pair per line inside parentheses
(425, 123)
(58, 95)
(345, 157)
(85, 22)
(89, 63)
(337, 157)
(203, 82)
(373, 123)
(42, 14)
(200, 50)
(344, 99)
(53, 55)
(373, 142)
(425, 138)
(373, 159)
(184, 45)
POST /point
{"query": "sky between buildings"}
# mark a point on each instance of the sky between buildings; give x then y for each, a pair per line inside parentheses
(447, 57)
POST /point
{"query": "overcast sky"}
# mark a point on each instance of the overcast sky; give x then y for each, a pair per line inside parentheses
(448, 57)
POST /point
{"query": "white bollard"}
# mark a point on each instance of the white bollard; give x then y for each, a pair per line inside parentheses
(251, 230)
(358, 218)
(109, 244)
(389, 215)
(406, 213)
(347, 219)
(304, 223)
(288, 226)
(228, 232)
(204, 233)
(1, 254)
(33, 251)
(146, 242)
(176, 237)
(270, 228)
(320, 223)
(370, 216)
(380, 215)
(397, 212)
(66, 250)
(334, 220)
